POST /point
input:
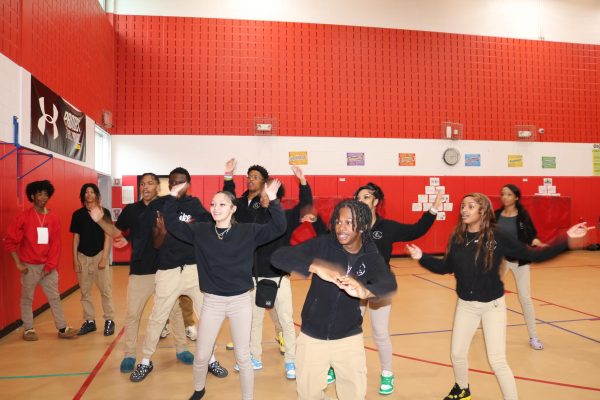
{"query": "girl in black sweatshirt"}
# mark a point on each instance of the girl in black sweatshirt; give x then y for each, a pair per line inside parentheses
(385, 233)
(475, 253)
(225, 253)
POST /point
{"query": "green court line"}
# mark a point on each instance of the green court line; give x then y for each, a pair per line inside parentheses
(45, 375)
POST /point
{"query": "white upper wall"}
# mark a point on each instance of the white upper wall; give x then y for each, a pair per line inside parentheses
(576, 21)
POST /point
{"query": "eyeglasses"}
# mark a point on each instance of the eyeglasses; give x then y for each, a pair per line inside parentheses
(254, 178)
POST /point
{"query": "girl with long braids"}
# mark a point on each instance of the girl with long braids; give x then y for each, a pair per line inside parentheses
(384, 233)
(516, 222)
(346, 268)
(475, 252)
(225, 254)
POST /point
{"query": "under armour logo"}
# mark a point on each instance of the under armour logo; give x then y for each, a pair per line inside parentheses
(360, 271)
(256, 205)
(377, 234)
(47, 118)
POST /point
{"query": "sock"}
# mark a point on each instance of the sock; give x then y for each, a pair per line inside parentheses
(386, 373)
(212, 360)
(145, 361)
(198, 394)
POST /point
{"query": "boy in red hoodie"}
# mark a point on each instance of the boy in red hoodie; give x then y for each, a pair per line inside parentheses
(33, 241)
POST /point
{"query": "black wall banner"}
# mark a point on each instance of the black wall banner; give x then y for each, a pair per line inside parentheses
(55, 125)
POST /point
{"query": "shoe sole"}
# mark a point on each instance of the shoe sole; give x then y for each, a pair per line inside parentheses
(228, 347)
(85, 333)
(29, 339)
(386, 393)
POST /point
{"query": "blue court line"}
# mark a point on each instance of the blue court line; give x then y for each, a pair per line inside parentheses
(45, 375)
(542, 321)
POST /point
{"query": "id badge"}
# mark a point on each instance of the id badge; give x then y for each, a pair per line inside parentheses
(42, 233)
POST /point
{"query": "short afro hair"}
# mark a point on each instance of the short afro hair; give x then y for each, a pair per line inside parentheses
(39, 186)
(261, 170)
(182, 171)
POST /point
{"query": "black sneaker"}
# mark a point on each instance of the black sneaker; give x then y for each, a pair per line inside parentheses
(141, 372)
(198, 394)
(109, 327)
(458, 393)
(87, 327)
(217, 370)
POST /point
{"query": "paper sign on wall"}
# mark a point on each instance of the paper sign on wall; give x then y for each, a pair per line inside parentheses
(434, 181)
(596, 161)
(127, 194)
(472, 160)
(422, 198)
(429, 189)
(355, 159)
(298, 157)
(548, 162)
(407, 159)
(448, 206)
(441, 216)
(515, 160)
(417, 207)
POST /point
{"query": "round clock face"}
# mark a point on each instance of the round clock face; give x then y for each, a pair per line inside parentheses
(451, 156)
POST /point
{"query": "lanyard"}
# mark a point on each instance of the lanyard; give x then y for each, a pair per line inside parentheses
(41, 221)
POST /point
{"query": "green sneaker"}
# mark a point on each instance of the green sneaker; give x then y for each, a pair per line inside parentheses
(386, 386)
(330, 376)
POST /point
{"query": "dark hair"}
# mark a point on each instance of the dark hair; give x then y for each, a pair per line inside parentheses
(515, 189)
(485, 239)
(37, 187)
(84, 189)
(375, 189)
(182, 171)
(261, 170)
(361, 217)
(151, 174)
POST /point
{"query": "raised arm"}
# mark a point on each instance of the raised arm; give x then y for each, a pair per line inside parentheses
(407, 232)
(276, 226)
(228, 183)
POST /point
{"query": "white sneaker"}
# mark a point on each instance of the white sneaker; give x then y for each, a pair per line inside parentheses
(165, 332)
(535, 343)
(191, 333)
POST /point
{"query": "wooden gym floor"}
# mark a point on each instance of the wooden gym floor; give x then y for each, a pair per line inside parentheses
(566, 298)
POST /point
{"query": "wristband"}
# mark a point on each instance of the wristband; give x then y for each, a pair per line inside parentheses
(433, 210)
(228, 176)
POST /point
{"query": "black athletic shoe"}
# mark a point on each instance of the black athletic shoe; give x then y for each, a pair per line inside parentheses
(87, 327)
(141, 372)
(198, 394)
(109, 327)
(217, 370)
(458, 393)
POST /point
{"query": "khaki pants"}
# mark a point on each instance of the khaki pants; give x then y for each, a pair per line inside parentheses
(49, 284)
(492, 317)
(522, 276)
(90, 274)
(285, 314)
(346, 356)
(187, 309)
(238, 309)
(380, 321)
(139, 289)
(170, 284)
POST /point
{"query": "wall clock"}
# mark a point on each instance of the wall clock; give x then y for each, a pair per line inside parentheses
(451, 156)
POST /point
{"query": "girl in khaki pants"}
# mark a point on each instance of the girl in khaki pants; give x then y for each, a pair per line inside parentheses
(475, 253)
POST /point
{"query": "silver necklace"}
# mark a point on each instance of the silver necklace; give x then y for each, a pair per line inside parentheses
(474, 240)
(221, 235)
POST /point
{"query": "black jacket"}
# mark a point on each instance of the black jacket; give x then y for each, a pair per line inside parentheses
(472, 283)
(526, 232)
(329, 313)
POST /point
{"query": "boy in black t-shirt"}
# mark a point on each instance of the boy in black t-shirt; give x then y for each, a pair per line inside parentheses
(91, 248)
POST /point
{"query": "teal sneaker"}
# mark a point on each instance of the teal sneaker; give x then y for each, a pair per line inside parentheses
(386, 385)
(127, 365)
(330, 376)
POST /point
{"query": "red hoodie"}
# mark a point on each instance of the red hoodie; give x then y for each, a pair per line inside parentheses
(22, 237)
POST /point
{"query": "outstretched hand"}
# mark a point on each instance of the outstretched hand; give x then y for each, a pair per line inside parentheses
(299, 174)
(415, 252)
(271, 188)
(577, 234)
(96, 213)
(437, 204)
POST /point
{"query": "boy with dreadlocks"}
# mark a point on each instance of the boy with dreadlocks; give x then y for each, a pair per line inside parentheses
(346, 267)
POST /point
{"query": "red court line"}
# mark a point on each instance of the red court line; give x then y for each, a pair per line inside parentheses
(491, 373)
(96, 369)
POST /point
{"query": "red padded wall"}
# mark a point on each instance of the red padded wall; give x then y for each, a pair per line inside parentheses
(180, 75)
(67, 44)
(551, 215)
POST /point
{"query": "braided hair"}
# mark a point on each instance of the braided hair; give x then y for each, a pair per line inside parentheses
(361, 217)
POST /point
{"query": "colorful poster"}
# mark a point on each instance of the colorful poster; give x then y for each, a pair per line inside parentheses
(472, 160)
(596, 161)
(355, 159)
(298, 158)
(407, 159)
(548, 162)
(515, 160)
